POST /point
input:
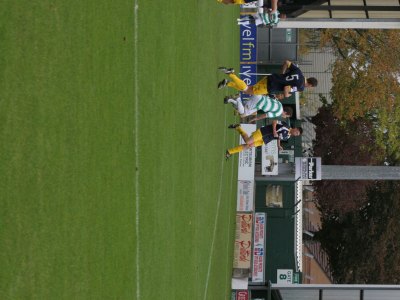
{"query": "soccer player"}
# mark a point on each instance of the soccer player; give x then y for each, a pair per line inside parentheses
(290, 80)
(277, 131)
(268, 17)
(274, 3)
(238, 2)
(269, 104)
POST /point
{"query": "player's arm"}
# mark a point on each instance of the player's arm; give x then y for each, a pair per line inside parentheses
(286, 91)
(279, 145)
(286, 65)
(261, 117)
(274, 122)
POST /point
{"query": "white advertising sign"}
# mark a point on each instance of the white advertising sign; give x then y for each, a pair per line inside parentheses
(245, 196)
(247, 158)
(284, 276)
(308, 168)
(269, 158)
(289, 153)
(240, 283)
(259, 248)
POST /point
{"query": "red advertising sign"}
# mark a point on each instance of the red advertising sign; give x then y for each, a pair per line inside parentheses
(242, 295)
(243, 236)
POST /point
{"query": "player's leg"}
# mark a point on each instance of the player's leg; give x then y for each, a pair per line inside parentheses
(243, 133)
(239, 129)
(236, 102)
(274, 5)
(238, 149)
(246, 20)
(250, 106)
(238, 2)
(226, 1)
(237, 83)
(261, 19)
(255, 139)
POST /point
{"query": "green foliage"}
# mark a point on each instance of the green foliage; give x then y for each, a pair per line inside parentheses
(310, 39)
(366, 80)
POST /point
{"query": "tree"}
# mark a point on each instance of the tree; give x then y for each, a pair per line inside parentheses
(366, 72)
(363, 244)
(361, 127)
(366, 80)
(343, 143)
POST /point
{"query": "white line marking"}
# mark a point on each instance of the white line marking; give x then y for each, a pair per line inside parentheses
(136, 133)
(216, 218)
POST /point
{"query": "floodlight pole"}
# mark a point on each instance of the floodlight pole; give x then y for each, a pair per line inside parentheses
(359, 172)
(338, 172)
(257, 74)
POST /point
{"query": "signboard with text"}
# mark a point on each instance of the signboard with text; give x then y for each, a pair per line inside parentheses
(247, 74)
(248, 43)
(308, 168)
(240, 295)
(243, 235)
(245, 195)
(247, 158)
(248, 55)
(284, 276)
(269, 158)
(258, 248)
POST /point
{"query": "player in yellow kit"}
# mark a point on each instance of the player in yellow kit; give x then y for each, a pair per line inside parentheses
(239, 2)
(290, 80)
(278, 130)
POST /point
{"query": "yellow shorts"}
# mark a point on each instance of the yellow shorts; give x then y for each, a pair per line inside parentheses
(257, 137)
(260, 88)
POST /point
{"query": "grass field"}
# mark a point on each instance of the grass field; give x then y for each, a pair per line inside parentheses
(112, 135)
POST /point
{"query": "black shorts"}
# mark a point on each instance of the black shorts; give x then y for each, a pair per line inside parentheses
(267, 134)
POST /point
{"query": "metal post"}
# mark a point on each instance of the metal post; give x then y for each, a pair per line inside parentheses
(360, 172)
(393, 23)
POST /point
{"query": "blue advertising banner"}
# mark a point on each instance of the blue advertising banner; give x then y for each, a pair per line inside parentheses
(247, 75)
(248, 55)
(248, 43)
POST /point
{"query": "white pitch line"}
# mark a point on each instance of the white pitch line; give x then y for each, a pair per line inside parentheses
(216, 219)
(136, 133)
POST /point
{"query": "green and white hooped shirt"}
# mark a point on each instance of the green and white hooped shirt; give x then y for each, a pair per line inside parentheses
(272, 107)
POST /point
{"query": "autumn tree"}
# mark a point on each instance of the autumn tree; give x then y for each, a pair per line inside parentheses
(366, 77)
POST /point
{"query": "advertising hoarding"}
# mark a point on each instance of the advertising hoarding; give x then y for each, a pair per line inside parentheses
(269, 158)
(247, 158)
(259, 248)
(308, 168)
(243, 235)
(245, 195)
(284, 276)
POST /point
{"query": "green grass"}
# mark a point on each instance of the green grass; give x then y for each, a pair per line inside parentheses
(69, 121)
